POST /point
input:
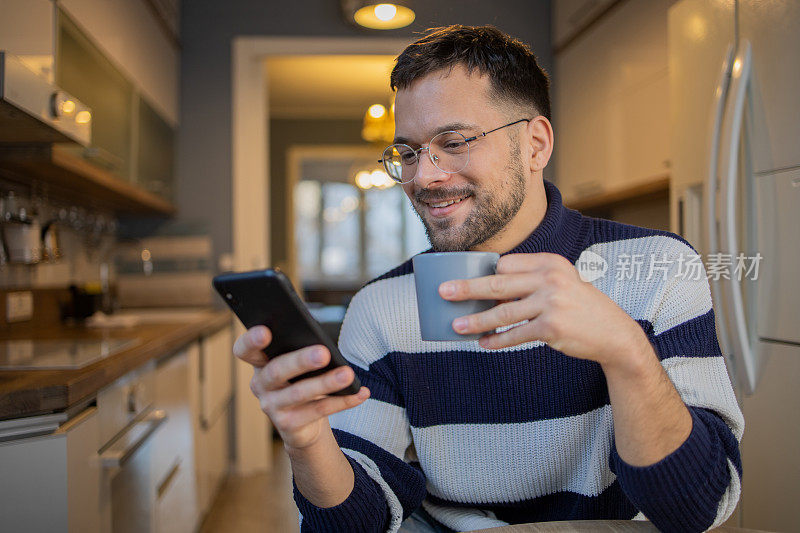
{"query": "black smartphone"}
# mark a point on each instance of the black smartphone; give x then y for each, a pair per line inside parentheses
(267, 298)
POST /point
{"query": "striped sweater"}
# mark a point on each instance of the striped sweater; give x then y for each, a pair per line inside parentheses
(484, 438)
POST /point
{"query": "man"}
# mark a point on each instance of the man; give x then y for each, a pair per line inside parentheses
(606, 399)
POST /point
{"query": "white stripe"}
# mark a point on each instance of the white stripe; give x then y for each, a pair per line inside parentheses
(381, 423)
(462, 519)
(493, 463)
(395, 508)
(704, 382)
(665, 300)
(727, 504)
(383, 318)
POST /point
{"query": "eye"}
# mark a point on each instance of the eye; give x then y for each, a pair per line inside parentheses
(451, 142)
(408, 157)
(454, 144)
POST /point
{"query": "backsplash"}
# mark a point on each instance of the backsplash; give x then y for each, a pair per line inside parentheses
(78, 265)
(85, 237)
(166, 271)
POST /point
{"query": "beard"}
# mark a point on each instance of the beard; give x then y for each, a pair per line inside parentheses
(493, 209)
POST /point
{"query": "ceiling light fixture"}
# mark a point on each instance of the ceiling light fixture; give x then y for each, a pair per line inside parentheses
(378, 16)
(378, 124)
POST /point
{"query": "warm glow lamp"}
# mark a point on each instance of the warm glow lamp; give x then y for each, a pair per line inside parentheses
(379, 15)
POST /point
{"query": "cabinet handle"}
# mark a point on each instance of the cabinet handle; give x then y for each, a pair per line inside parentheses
(117, 452)
(164, 485)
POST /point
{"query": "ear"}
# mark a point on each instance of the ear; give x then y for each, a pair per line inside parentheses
(540, 137)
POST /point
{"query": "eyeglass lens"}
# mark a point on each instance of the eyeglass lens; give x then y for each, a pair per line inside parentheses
(448, 150)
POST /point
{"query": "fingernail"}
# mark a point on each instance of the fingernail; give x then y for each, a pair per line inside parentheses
(318, 357)
(342, 376)
(447, 289)
(460, 324)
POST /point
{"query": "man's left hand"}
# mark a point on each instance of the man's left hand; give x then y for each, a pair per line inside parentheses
(569, 314)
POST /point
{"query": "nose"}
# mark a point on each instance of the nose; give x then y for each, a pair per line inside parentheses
(427, 173)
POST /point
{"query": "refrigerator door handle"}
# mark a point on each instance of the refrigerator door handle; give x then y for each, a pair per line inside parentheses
(746, 363)
(711, 185)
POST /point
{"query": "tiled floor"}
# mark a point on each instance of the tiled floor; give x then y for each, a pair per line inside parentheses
(260, 503)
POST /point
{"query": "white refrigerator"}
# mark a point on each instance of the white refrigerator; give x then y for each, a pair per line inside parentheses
(735, 189)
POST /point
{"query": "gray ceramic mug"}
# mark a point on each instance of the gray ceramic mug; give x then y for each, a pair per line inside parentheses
(436, 314)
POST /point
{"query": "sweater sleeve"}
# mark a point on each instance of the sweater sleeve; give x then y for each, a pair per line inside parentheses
(375, 436)
(698, 485)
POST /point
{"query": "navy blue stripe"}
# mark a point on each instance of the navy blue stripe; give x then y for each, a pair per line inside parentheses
(379, 387)
(407, 481)
(365, 509)
(561, 231)
(466, 387)
(527, 385)
(407, 267)
(611, 504)
(717, 426)
(682, 491)
(694, 338)
(610, 231)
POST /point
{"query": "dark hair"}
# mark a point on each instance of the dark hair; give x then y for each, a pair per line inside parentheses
(515, 75)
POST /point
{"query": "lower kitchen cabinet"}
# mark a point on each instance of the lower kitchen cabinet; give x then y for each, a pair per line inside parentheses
(175, 509)
(150, 456)
(192, 451)
(53, 482)
(212, 428)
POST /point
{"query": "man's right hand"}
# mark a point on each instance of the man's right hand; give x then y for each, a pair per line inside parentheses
(299, 411)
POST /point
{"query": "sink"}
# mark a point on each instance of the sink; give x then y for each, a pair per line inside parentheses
(66, 354)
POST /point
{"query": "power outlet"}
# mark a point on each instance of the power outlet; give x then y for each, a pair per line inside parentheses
(19, 306)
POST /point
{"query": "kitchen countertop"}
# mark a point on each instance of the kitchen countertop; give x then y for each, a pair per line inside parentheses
(36, 392)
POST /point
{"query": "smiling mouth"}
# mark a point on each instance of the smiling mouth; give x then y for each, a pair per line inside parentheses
(446, 203)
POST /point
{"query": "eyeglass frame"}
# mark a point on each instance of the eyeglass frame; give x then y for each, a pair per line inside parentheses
(468, 140)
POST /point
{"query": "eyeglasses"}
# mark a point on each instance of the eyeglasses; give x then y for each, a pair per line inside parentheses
(448, 151)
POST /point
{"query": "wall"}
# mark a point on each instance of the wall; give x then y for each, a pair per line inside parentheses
(207, 27)
(285, 133)
(81, 258)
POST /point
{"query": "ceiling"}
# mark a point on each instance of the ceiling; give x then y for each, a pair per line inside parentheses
(327, 86)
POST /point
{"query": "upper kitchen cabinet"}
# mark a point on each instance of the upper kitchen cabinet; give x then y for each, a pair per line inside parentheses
(610, 101)
(83, 70)
(120, 59)
(26, 30)
(132, 136)
(141, 44)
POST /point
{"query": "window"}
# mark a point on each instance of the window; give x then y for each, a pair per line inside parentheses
(344, 233)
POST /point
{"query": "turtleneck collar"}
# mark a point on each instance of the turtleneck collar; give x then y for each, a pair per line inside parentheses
(559, 232)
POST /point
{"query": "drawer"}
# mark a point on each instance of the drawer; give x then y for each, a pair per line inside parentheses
(119, 403)
(216, 364)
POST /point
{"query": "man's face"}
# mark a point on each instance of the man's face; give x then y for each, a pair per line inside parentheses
(492, 187)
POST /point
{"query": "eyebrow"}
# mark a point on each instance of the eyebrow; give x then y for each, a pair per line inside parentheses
(453, 126)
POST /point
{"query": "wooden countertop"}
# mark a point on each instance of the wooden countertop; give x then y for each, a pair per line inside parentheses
(35, 392)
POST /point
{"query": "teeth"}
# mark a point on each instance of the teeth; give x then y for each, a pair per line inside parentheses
(445, 204)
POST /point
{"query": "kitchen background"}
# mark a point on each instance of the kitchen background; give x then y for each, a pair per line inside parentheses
(191, 138)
